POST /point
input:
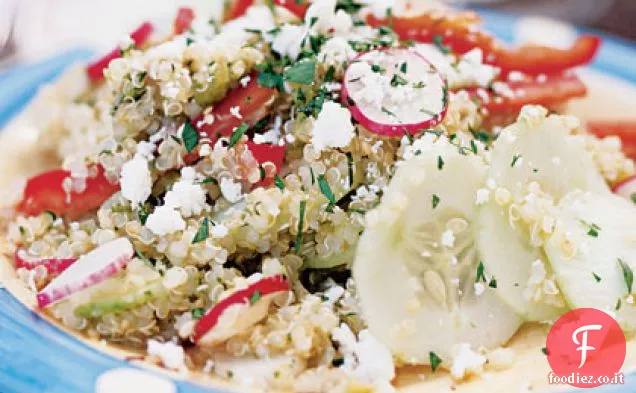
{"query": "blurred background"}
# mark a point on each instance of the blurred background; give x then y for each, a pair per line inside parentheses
(33, 29)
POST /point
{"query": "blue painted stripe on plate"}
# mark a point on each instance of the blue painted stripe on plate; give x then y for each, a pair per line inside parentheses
(36, 356)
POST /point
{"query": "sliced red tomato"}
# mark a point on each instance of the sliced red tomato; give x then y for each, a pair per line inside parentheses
(626, 130)
(296, 7)
(253, 102)
(555, 90)
(52, 265)
(460, 34)
(267, 153)
(236, 8)
(44, 192)
(95, 70)
(183, 21)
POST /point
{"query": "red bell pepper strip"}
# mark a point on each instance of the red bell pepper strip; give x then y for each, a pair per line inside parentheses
(183, 21)
(52, 265)
(253, 102)
(555, 90)
(460, 34)
(267, 153)
(625, 130)
(95, 70)
(236, 8)
(45, 192)
(296, 7)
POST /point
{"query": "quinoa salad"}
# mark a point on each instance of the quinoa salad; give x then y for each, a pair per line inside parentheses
(311, 196)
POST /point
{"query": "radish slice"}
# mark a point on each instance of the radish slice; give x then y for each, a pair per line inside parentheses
(52, 265)
(395, 91)
(237, 312)
(91, 269)
(627, 189)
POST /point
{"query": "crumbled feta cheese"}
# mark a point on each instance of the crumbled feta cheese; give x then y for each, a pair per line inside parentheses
(466, 362)
(336, 51)
(165, 220)
(322, 17)
(288, 41)
(136, 180)
(483, 196)
(466, 71)
(480, 288)
(333, 127)
(256, 18)
(172, 355)
(245, 80)
(544, 31)
(185, 195)
(448, 238)
(231, 191)
(366, 358)
(128, 380)
(236, 112)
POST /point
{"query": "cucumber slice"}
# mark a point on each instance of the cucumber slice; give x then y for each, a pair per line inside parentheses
(593, 251)
(536, 149)
(416, 284)
(139, 284)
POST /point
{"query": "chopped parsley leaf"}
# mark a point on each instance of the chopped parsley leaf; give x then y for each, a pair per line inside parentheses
(203, 232)
(302, 72)
(376, 68)
(189, 41)
(190, 136)
(256, 296)
(544, 350)
(350, 165)
(493, 283)
(618, 305)
(633, 197)
(481, 276)
(271, 79)
(398, 81)
(279, 182)
(143, 214)
(237, 134)
(301, 223)
(438, 41)
(326, 191)
(628, 275)
(593, 229)
(388, 112)
(473, 147)
(198, 313)
(208, 180)
(435, 361)
(330, 75)
(596, 277)
(435, 201)
(404, 67)
(515, 159)
(440, 163)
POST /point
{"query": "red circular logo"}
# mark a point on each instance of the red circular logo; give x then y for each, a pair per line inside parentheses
(586, 347)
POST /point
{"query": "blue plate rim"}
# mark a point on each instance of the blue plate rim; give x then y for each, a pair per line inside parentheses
(53, 352)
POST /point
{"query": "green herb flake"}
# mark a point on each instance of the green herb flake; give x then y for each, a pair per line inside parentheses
(271, 80)
(377, 69)
(419, 85)
(515, 159)
(440, 163)
(628, 275)
(481, 276)
(238, 134)
(435, 201)
(302, 72)
(438, 41)
(388, 112)
(279, 182)
(592, 229)
(331, 74)
(596, 277)
(493, 283)
(190, 136)
(203, 232)
(326, 191)
(473, 147)
(618, 305)
(350, 165)
(256, 296)
(404, 67)
(208, 180)
(544, 350)
(301, 223)
(398, 81)
(143, 214)
(198, 313)
(434, 360)
(189, 41)
(633, 197)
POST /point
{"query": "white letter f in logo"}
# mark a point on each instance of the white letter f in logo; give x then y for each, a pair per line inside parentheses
(583, 344)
